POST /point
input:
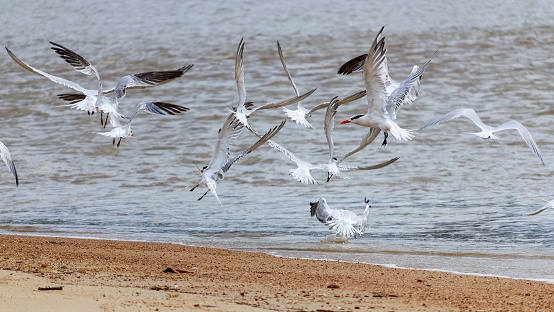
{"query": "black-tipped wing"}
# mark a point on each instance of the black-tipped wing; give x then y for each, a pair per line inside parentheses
(158, 108)
(354, 65)
(147, 79)
(78, 62)
(135, 81)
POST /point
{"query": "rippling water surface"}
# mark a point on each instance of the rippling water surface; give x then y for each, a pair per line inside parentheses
(452, 202)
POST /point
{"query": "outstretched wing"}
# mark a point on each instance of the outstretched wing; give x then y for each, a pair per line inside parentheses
(271, 133)
(407, 91)
(7, 158)
(468, 112)
(78, 62)
(375, 75)
(329, 124)
(239, 76)
(53, 78)
(549, 204)
(147, 79)
(512, 124)
(378, 166)
(348, 99)
(354, 65)
(135, 81)
(365, 141)
(290, 101)
(286, 69)
(227, 134)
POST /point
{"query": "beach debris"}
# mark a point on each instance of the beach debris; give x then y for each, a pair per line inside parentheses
(170, 270)
(51, 288)
(333, 286)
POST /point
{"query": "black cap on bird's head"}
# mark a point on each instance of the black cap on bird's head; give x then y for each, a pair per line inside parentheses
(350, 120)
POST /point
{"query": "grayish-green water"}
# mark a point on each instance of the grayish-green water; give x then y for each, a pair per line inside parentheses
(452, 202)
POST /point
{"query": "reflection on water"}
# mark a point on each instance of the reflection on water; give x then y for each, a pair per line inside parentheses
(452, 202)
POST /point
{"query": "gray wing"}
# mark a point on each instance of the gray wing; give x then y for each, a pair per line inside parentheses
(271, 133)
(407, 91)
(321, 210)
(53, 78)
(365, 141)
(227, 134)
(286, 69)
(135, 81)
(468, 112)
(158, 108)
(78, 62)
(348, 99)
(512, 124)
(375, 75)
(329, 124)
(549, 204)
(378, 166)
(7, 158)
(147, 79)
(290, 101)
(239, 75)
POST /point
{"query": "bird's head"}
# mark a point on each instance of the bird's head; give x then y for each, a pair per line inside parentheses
(351, 119)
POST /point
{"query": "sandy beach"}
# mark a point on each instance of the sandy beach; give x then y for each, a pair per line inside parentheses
(63, 274)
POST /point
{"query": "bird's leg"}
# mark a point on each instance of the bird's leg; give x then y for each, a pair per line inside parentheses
(106, 122)
(113, 142)
(102, 119)
(118, 142)
(385, 140)
(329, 176)
(192, 189)
(203, 195)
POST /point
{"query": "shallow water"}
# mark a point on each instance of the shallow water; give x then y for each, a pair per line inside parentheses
(452, 202)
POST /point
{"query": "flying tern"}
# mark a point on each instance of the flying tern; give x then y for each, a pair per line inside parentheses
(384, 95)
(7, 158)
(121, 131)
(299, 114)
(88, 100)
(340, 220)
(221, 161)
(109, 104)
(487, 132)
(242, 112)
(334, 165)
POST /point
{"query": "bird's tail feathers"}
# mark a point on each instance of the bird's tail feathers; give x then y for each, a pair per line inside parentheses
(401, 134)
(303, 175)
(298, 116)
(343, 228)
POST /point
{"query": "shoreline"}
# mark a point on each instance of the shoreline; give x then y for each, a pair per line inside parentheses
(162, 277)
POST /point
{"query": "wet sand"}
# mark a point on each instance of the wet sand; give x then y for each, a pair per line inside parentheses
(100, 275)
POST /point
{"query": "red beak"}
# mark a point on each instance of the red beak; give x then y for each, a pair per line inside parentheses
(344, 121)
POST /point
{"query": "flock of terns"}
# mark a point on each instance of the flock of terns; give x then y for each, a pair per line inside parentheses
(385, 97)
